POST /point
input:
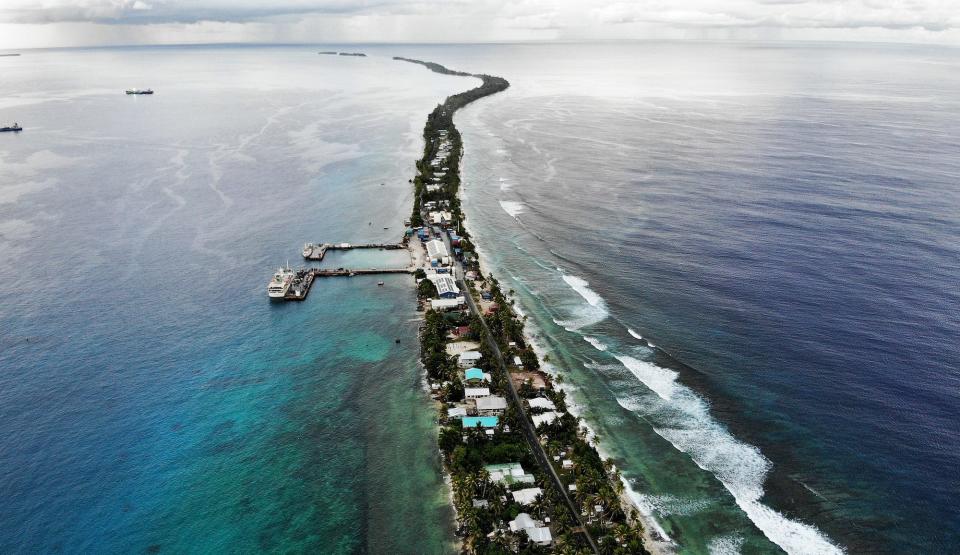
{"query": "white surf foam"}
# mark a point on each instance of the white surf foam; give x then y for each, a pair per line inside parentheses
(597, 344)
(660, 380)
(582, 287)
(634, 334)
(729, 544)
(683, 419)
(512, 207)
(505, 185)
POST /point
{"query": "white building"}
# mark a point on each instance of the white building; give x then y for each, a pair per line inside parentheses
(541, 403)
(534, 530)
(544, 418)
(476, 392)
(437, 249)
(447, 304)
(527, 496)
(469, 358)
(456, 412)
(491, 404)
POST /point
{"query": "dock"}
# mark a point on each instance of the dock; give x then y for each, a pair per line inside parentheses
(317, 252)
(304, 278)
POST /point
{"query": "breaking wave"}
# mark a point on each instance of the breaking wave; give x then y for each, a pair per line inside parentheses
(584, 315)
(634, 334)
(683, 418)
(597, 344)
(512, 207)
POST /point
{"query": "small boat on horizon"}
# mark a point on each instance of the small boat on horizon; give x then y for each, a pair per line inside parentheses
(139, 91)
(14, 127)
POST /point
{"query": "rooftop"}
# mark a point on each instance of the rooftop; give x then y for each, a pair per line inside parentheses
(480, 421)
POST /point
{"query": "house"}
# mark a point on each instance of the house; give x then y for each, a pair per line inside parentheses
(567, 464)
(535, 531)
(517, 362)
(456, 412)
(527, 496)
(509, 473)
(476, 392)
(541, 403)
(480, 421)
(468, 359)
(475, 375)
(443, 305)
(544, 418)
(491, 404)
(486, 295)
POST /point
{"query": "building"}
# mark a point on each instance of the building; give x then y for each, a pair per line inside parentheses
(447, 304)
(527, 496)
(476, 392)
(445, 284)
(475, 375)
(491, 404)
(456, 412)
(535, 531)
(468, 359)
(437, 250)
(517, 362)
(509, 473)
(480, 421)
(544, 418)
(541, 403)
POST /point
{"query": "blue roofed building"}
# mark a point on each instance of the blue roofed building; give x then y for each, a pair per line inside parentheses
(480, 421)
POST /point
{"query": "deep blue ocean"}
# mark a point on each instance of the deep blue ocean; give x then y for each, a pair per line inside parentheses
(782, 221)
(743, 259)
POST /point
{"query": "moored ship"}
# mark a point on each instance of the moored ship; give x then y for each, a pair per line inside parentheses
(14, 127)
(280, 283)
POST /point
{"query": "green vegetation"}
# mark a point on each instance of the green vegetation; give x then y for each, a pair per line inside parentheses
(484, 507)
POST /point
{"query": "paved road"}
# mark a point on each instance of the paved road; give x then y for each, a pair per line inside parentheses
(528, 429)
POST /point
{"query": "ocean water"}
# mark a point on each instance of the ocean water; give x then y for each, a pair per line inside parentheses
(743, 259)
(152, 399)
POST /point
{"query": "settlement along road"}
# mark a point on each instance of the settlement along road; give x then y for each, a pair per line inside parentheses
(528, 428)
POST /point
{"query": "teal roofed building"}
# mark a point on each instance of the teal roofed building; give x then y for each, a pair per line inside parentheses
(475, 374)
(480, 421)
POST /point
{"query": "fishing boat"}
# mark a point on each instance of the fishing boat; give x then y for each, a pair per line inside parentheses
(307, 250)
(139, 91)
(14, 127)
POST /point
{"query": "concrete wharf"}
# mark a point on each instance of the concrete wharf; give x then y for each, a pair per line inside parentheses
(317, 252)
(304, 278)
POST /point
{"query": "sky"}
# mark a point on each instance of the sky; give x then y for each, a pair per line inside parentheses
(51, 23)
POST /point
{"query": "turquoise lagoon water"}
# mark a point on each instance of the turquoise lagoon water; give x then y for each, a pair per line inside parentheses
(151, 398)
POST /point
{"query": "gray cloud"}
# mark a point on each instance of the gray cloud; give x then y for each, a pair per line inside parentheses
(477, 20)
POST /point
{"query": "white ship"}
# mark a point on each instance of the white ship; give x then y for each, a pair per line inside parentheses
(307, 250)
(280, 283)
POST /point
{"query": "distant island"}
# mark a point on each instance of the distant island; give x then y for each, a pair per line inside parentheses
(335, 53)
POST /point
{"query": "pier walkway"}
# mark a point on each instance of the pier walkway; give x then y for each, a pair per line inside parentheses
(304, 278)
(317, 252)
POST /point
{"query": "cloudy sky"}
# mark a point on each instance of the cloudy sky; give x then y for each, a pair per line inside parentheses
(41, 23)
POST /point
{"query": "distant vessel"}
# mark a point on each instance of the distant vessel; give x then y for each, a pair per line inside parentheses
(280, 284)
(14, 127)
(139, 91)
(307, 250)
